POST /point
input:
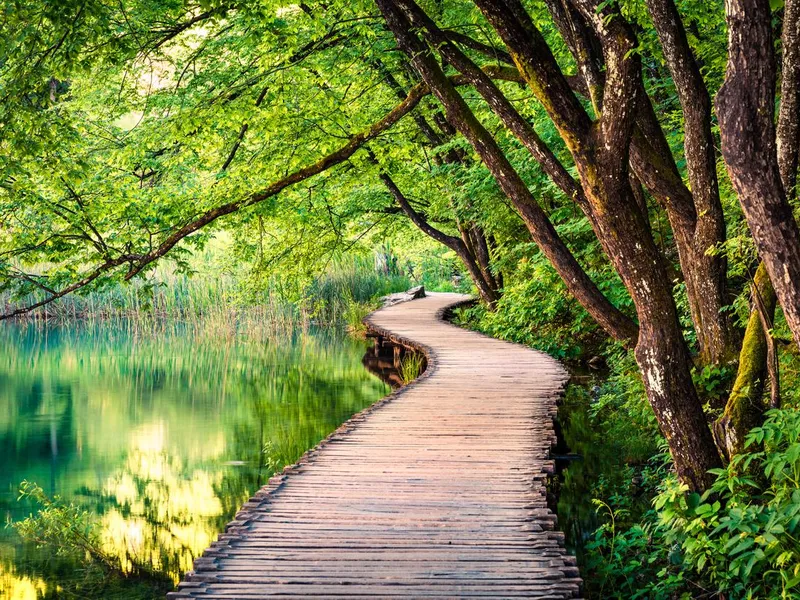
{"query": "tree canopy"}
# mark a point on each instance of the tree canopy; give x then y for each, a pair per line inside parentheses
(645, 150)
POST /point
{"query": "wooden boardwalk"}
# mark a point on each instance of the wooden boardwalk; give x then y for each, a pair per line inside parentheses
(437, 491)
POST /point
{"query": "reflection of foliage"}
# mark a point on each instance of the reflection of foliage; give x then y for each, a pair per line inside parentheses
(67, 530)
(160, 433)
(159, 512)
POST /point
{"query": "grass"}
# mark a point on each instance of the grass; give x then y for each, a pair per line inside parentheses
(349, 290)
(342, 296)
(412, 366)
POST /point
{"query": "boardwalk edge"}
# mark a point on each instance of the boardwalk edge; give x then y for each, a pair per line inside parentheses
(204, 566)
(249, 510)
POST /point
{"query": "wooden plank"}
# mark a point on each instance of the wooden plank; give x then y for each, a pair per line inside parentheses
(437, 491)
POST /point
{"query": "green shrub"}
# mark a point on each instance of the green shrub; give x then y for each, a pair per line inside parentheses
(738, 540)
(629, 562)
(742, 534)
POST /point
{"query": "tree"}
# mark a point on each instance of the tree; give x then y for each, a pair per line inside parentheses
(745, 106)
(619, 223)
(163, 124)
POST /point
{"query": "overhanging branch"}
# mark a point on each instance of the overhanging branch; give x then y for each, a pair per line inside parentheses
(139, 262)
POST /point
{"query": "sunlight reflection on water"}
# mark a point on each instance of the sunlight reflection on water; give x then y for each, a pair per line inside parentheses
(161, 435)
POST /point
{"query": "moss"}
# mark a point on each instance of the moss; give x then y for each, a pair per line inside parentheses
(745, 407)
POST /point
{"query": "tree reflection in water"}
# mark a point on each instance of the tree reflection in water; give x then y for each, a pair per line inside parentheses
(161, 431)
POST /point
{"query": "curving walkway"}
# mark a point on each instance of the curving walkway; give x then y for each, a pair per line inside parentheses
(437, 491)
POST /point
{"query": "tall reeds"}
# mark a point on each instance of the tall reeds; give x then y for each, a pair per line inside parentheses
(341, 296)
(349, 289)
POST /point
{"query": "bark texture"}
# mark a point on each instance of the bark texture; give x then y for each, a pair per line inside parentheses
(706, 278)
(789, 112)
(745, 107)
(461, 117)
(697, 225)
(600, 153)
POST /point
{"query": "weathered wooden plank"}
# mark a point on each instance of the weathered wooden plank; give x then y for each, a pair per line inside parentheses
(437, 491)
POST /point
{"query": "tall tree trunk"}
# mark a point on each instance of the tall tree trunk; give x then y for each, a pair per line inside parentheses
(694, 232)
(745, 107)
(707, 275)
(789, 112)
(599, 151)
(459, 115)
(759, 356)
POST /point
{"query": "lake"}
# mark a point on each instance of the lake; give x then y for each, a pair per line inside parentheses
(161, 431)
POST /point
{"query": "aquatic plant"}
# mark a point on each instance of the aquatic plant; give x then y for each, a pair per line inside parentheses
(411, 366)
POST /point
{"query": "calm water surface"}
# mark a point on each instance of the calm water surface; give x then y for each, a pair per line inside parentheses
(161, 432)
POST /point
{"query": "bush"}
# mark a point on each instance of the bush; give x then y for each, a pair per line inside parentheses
(738, 540)
(629, 563)
(742, 534)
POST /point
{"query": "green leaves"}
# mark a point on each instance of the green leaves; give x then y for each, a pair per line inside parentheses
(739, 539)
(742, 534)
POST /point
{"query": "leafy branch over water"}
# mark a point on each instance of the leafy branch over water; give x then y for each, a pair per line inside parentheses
(67, 529)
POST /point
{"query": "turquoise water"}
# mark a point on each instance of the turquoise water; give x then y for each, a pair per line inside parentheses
(161, 432)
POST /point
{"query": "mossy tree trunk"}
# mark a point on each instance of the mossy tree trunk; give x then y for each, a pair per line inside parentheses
(746, 404)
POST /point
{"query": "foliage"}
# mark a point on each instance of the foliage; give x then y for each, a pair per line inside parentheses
(63, 528)
(629, 563)
(124, 121)
(738, 539)
(347, 291)
(535, 310)
(742, 534)
(713, 382)
(340, 296)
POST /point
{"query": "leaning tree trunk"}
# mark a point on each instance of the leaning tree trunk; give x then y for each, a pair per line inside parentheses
(599, 151)
(487, 288)
(552, 246)
(759, 355)
(745, 108)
